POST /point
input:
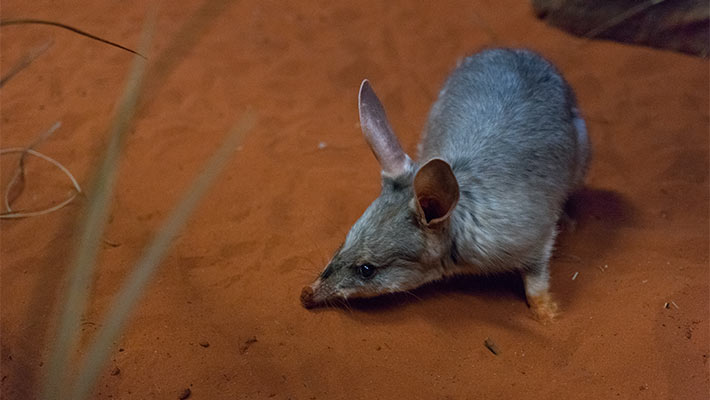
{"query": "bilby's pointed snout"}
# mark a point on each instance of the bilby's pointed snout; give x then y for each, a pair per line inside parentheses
(307, 297)
(315, 294)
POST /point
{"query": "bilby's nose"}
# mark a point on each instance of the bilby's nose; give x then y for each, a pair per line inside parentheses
(307, 297)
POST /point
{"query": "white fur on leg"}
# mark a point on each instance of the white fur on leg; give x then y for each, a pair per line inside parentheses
(536, 282)
(541, 303)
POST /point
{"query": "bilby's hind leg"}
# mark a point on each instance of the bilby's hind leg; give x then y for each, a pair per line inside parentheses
(536, 279)
(537, 292)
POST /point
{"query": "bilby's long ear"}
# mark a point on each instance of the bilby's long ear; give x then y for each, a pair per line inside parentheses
(378, 133)
(436, 191)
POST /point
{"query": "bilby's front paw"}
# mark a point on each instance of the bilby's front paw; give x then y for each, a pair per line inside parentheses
(544, 308)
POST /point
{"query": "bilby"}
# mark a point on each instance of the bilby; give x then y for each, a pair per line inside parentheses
(503, 148)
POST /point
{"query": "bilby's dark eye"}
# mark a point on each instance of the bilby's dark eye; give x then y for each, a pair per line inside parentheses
(366, 270)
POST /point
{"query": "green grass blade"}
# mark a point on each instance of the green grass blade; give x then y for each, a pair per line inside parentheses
(136, 283)
(92, 228)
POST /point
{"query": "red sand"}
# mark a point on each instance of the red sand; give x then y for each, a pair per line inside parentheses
(284, 204)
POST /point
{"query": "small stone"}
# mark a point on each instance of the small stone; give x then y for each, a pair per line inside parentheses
(245, 346)
(185, 394)
(204, 343)
(115, 371)
(491, 346)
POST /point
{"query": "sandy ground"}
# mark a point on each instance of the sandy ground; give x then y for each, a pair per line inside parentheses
(305, 174)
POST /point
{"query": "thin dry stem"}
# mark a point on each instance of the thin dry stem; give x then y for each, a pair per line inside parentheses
(24, 62)
(31, 21)
(9, 214)
(20, 170)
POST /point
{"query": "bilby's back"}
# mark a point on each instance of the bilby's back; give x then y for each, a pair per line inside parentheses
(507, 123)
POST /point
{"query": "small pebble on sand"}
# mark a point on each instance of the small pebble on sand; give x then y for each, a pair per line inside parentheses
(245, 346)
(185, 394)
(491, 345)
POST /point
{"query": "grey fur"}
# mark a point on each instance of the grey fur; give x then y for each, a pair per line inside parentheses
(507, 124)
